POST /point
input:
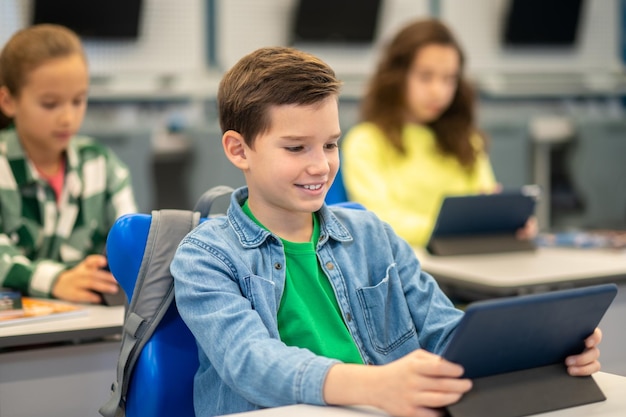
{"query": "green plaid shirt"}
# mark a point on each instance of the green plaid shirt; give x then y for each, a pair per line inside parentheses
(40, 238)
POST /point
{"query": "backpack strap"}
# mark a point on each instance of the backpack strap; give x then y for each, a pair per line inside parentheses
(205, 202)
(153, 294)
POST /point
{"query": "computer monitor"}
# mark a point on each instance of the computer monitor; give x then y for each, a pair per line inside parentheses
(335, 21)
(542, 23)
(110, 19)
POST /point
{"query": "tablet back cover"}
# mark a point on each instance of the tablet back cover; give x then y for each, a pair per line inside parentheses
(515, 333)
(483, 214)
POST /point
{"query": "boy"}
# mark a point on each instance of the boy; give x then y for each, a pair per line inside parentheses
(287, 298)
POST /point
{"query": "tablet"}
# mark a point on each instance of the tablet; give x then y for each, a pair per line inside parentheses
(515, 333)
(485, 214)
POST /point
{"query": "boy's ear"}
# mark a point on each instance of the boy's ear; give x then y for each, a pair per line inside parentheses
(7, 103)
(235, 148)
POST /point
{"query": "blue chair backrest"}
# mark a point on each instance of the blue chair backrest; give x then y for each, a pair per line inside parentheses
(162, 381)
(161, 384)
(337, 192)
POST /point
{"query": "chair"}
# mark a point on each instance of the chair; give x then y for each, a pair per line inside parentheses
(162, 381)
(337, 192)
(161, 384)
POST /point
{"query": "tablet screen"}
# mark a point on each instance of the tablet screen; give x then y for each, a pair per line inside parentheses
(514, 333)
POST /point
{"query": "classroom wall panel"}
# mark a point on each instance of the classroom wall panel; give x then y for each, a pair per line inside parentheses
(478, 24)
(596, 164)
(245, 25)
(172, 40)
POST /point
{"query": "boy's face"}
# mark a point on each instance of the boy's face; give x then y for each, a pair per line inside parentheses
(294, 163)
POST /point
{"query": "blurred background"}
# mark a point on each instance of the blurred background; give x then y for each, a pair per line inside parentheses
(549, 75)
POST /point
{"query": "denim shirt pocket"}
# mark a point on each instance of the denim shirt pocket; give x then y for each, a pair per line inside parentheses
(386, 313)
(261, 293)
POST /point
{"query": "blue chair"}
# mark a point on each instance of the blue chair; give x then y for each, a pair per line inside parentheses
(162, 381)
(337, 192)
(161, 384)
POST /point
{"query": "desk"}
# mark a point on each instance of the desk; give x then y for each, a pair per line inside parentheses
(59, 367)
(515, 273)
(99, 322)
(613, 387)
(474, 277)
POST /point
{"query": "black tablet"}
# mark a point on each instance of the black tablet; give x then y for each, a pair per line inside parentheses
(514, 333)
(485, 214)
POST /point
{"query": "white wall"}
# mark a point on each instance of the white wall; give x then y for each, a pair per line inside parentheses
(245, 25)
(478, 23)
(172, 39)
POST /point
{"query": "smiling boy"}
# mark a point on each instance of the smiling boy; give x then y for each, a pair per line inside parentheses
(290, 299)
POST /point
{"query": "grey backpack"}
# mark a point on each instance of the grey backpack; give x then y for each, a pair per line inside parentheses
(153, 291)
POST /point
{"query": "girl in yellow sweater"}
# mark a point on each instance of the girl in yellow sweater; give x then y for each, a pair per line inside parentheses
(418, 141)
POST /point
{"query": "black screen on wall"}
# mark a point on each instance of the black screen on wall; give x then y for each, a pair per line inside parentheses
(336, 21)
(550, 23)
(97, 19)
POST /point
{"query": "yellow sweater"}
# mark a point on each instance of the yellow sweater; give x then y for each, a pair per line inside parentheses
(406, 191)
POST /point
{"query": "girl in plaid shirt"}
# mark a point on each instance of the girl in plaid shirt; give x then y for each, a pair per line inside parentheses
(59, 192)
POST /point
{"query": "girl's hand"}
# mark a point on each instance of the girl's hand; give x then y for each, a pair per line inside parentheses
(82, 283)
(586, 363)
(529, 231)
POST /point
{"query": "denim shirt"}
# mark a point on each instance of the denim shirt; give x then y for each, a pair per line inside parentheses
(229, 277)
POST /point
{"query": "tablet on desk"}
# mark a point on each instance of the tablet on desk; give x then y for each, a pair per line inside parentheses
(522, 342)
(483, 223)
(115, 299)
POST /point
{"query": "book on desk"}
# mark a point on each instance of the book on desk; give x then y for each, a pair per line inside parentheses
(584, 239)
(17, 310)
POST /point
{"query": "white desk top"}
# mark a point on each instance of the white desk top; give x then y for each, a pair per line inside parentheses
(513, 271)
(99, 321)
(613, 387)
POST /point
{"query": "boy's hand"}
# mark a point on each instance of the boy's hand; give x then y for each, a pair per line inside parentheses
(420, 382)
(81, 283)
(415, 385)
(587, 362)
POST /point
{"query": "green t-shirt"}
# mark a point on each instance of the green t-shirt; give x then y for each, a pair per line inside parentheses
(308, 315)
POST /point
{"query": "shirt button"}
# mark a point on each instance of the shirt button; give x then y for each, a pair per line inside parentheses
(349, 317)
(278, 266)
(330, 266)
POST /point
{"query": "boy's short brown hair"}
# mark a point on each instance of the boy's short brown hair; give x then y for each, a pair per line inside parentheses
(267, 77)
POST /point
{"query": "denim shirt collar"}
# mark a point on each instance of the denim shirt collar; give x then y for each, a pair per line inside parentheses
(251, 235)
